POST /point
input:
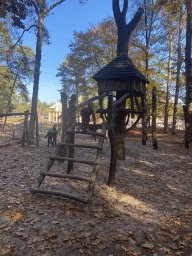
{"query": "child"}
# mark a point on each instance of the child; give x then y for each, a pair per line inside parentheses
(50, 137)
(54, 136)
(86, 113)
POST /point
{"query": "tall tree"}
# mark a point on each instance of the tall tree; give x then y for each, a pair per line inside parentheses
(42, 10)
(178, 79)
(170, 43)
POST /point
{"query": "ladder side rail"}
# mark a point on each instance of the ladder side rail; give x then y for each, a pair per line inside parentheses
(96, 167)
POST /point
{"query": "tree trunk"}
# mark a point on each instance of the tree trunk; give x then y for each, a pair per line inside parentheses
(179, 60)
(187, 108)
(120, 128)
(154, 115)
(36, 78)
(124, 30)
(168, 82)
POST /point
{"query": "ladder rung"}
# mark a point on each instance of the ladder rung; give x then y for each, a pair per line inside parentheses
(57, 193)
(73, 160)
(76, 177)
(79, 145)
(88, 133)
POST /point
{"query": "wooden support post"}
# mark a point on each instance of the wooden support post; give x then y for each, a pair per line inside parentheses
(154, 115)
(25, 128)
(64, 114)
(144, 123)
(110, 110)
(112, 170)
(132, 106)
(101, 107)
(37, 130)
(63, 151)
(72, 118)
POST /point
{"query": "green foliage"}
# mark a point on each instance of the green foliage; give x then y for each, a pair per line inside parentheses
(17, 9)
(89, 52)
(15, 71)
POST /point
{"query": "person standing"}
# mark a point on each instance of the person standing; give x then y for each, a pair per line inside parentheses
(86, 113)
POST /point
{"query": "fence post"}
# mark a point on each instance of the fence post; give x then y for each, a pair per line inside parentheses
(154, 115)
(25, 129)
(72, 118)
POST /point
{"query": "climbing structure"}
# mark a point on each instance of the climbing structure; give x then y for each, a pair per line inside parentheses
(69, 145)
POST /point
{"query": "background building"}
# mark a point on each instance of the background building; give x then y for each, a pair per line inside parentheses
(54, 112)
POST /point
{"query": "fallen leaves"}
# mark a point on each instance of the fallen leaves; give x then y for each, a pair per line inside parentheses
(131, 219)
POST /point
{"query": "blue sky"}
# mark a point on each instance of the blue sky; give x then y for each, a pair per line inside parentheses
(64, 19)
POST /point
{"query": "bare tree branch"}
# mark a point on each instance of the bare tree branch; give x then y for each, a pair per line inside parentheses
(12, 47)
(125, 7)
(53, 6)
(116, 11)
(133, 23)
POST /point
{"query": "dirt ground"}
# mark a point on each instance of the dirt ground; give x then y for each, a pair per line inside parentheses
(148, 212)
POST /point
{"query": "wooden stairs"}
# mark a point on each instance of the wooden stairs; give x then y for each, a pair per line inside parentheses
(69, 142)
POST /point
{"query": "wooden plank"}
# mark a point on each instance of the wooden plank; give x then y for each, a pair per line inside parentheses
(79, 145)
(75, 177)
(92, 126)
(88, 133)
(57, 193)
(73, 159)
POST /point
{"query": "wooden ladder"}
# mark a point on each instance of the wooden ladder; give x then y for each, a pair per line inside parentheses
(69, 142)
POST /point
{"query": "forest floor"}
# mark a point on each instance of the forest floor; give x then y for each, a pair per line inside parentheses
(148, 212)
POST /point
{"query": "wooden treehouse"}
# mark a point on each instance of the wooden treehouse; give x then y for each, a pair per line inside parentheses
(120, 79)
(129, 84)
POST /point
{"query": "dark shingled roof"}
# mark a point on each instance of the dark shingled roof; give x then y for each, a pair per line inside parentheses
(118, 68)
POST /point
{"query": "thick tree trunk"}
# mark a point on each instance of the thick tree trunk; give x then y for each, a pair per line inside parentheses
(120, 129)
(36, 78)
(178, 75)
(124, 33)
(124, 30)
(168, 82)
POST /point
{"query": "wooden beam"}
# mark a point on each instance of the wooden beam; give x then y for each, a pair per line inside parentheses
(79, 145)
(57, 193)
(73, 159)
(67, 176)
